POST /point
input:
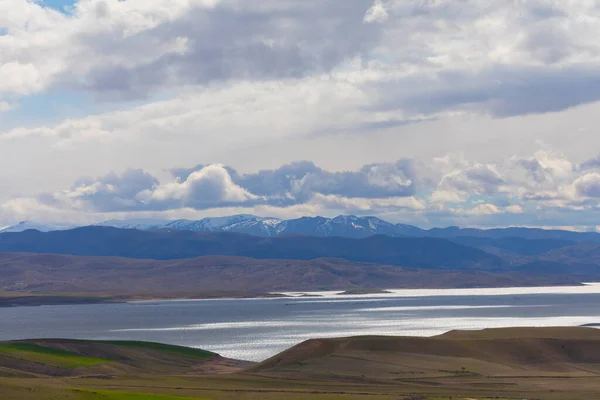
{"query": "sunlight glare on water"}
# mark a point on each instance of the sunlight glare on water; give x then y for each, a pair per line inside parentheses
(256, 329)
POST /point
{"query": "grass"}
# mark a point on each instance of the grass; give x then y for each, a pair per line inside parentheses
(112, 395)
(365, 368)
(47, 355)
(165, 348)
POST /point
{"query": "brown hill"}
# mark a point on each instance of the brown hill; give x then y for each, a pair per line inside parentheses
(511, 364)
(50, 273)
(495, 352)
(577, 253)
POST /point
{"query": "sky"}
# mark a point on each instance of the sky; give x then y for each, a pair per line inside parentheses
(425, 112)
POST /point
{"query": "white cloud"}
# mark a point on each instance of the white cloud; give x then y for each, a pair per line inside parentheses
(515, 209)
(484, 209)
(468, 90)
(210, 187)
(428, 59)
(5, 106)
(258, 110)
(377, 13)
(364, 205)
(464, 192)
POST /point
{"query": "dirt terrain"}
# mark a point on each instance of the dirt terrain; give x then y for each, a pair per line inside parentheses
(94, 279)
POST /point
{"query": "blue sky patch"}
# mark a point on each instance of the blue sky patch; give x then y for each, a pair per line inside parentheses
(60, 5)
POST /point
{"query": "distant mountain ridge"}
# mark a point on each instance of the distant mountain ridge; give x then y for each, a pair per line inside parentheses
(27, 225)
(349, 238)
(175, 244)
(343, 226)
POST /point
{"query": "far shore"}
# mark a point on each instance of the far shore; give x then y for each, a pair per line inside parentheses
(32, 299)
(25, 299)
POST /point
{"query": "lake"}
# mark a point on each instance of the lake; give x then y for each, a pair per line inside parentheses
(256, 329)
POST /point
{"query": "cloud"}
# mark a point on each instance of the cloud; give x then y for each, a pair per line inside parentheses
(588, 185)
(109, 193)
(377, 13)
(295, 108)
(592, 163)
(117, 49)
(111, 84)
(367, 205)
(209, 187)
(497, 57)
(298, 182)
(484, 209)
(5, 106)
(476, 179)
(218, 186)
(449, 190)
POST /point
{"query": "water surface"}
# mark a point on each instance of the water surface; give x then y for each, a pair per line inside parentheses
(256, 329)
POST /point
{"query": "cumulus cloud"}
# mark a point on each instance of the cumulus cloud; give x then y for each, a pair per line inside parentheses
(417, 59)
(129, 49)
(592, 163)
(588, 185)
(448, 190)
(208, 187)
(217, 186)
(475, 179)
(298, 182)
(109, 193)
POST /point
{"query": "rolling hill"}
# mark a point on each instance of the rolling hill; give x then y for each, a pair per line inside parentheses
(64, 274)
(510, 364)
(523, 352)
(71, 358)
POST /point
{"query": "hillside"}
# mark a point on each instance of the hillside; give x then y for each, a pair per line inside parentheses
(62, 357)
(510, 364)
(168, 245)
(513, 246)
(526, 352)
(57, 274)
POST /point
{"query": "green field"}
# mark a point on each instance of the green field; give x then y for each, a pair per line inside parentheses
(113, 395)
(47, 355)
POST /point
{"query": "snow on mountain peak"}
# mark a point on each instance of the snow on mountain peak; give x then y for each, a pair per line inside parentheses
(342, 225)
(26, 225)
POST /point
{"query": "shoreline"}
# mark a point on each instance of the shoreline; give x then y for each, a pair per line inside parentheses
(25, 299)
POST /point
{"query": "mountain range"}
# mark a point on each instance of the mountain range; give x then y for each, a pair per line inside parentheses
(167, 244)
(246, 251)
(343, 226)
(462, 253)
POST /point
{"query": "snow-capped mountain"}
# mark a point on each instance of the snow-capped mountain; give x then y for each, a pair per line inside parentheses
(343, 225)
(243, 223)
(140, 224)
(26, 225)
